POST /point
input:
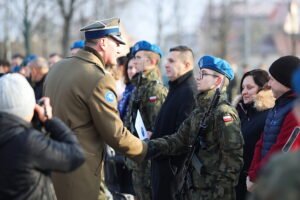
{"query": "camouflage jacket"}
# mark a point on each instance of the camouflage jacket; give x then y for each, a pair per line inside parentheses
(152, 94)
(223, 156)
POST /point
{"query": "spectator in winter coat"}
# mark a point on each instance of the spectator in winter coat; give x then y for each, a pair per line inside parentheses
(253, 105)
(177, 107)
(27, 156)
(280, 178)
(281, 121)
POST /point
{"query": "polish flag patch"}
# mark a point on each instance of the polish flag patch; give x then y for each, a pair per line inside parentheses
(153, 98)
(227, 118)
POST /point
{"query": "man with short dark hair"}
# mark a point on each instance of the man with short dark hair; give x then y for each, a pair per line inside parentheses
(176, 108)
(54, 58)
(83, 95)
(4, 67)
(16, 62)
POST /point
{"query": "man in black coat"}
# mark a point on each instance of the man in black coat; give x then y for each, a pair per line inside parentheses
(176, 108)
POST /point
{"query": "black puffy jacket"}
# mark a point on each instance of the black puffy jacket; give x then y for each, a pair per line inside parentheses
(27, 157)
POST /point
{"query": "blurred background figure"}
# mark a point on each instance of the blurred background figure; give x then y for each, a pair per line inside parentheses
(233, 87)
(79, 44)
(16, 62)
(130, 71)
(38, 69)
(253, 104)
(296, 87)
(24, 69)
(120, 76)
(4, 67)
(54, 58)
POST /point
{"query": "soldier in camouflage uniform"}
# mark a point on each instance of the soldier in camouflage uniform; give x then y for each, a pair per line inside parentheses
(152, 94)
(222, 157)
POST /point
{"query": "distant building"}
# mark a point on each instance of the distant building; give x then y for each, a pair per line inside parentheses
(267, 39)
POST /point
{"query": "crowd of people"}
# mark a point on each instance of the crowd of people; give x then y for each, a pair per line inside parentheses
(97, 125)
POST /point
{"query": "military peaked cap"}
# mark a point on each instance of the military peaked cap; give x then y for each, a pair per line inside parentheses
(103, 28)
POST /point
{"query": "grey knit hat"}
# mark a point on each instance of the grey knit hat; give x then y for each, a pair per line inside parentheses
(16, 95)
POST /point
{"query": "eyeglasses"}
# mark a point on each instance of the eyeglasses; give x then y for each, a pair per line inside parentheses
(202, 74)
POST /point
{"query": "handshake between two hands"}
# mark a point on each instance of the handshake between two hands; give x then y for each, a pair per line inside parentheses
(43, 109)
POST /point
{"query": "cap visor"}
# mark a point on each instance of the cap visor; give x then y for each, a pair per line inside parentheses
(118, 38)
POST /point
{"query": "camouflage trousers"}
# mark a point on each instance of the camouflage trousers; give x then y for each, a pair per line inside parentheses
(218, 192)
(141, 178)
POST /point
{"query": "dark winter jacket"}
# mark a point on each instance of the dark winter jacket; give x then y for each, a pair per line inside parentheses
(123, 103)
(176, 108)
(27, 157)
(38, 88)
(283, 126)
(253, 117)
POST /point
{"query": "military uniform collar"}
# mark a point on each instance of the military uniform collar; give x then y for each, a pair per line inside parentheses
(204, 98)
(151, 75)
(90, 55)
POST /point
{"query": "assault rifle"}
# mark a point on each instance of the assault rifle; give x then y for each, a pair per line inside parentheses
(183, 177)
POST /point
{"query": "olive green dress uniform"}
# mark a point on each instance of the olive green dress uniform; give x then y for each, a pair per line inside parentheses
(223, 155)
(83, 95)
(152, 94)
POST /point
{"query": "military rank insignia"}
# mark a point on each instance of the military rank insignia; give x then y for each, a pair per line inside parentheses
(153, 98)
(227, 118)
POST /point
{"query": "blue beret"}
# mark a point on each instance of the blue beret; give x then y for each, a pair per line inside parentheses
(78, 44)
(146, 46)
(296, 81)
(216, 64)
(28, 60)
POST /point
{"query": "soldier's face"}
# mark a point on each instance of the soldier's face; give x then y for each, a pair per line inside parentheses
(113, 51)
(175, 66)
(206, 80)
(142, 61)
(249, 89)
(277, 88)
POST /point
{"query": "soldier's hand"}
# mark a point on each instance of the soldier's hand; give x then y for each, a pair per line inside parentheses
(250, 185)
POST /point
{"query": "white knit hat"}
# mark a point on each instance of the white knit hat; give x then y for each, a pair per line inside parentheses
(16, 95)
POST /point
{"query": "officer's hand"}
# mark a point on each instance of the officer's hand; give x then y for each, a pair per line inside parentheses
(250, 185)
(44, 111)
